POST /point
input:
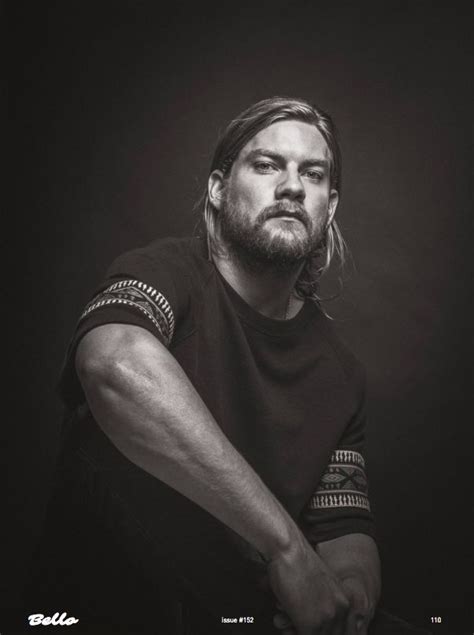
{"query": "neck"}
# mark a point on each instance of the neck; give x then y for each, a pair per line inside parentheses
(268, 291)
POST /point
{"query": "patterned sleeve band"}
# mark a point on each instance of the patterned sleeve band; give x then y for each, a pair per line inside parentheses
(343, 483)
(140, 297)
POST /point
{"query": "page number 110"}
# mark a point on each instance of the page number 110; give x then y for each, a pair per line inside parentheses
(436, 620)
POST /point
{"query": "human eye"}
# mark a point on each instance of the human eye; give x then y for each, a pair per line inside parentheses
(314, 175)
(264, 167)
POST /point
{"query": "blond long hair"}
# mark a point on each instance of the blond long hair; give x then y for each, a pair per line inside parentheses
(237, 134)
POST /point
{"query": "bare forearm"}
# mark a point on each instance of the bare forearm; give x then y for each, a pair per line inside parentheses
(149, 409)
(144, 402)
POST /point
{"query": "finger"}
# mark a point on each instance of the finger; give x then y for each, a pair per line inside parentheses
(284, 625)
(351, 624)
(282, 621)
(343, 624)
(361, 625)
(333, 627)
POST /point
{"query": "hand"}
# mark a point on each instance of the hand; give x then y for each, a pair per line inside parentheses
(359, 617)
(282, 622)
(310, 596)
(355, 560)
(361, 611)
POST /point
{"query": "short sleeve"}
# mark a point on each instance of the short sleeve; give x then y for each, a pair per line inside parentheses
(340, 504)
(146, 287)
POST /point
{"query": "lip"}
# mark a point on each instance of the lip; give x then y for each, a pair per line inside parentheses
(287, 217)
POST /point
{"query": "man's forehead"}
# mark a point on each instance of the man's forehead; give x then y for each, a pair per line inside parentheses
(289, 137)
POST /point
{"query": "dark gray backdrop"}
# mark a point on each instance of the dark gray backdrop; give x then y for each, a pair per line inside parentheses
(116, 109)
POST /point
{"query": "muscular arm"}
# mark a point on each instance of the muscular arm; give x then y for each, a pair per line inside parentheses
(355, 560)
(146, 405)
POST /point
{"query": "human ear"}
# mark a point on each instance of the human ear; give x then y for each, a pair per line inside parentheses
(332, 205)
(215, 188)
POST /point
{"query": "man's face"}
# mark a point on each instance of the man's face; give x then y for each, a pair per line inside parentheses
(277, 200)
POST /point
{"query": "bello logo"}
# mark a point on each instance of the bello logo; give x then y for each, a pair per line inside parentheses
(38, 619)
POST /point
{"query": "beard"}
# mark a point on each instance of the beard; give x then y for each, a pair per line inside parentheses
(256, 244)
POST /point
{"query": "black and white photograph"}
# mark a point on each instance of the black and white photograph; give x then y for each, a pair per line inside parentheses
(240, 390)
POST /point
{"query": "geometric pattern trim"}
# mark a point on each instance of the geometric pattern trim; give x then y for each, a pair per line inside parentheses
(141, 297)
(343, 484)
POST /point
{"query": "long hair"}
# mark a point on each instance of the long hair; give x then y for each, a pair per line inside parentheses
(237, 134)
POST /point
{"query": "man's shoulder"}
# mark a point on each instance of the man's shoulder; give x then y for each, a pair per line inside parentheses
(351, 365)
(180, 249)
(180, 254)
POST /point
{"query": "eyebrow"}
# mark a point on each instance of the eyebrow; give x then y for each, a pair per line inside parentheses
(258, 152)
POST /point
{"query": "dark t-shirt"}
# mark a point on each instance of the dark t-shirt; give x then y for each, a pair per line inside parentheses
(287, 393)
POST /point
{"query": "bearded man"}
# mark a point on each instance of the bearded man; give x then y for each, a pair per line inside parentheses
(213, 408)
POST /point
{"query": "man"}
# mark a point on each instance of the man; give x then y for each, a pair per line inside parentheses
(217, 407)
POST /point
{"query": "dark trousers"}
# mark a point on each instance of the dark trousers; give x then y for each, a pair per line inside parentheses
(124, 554)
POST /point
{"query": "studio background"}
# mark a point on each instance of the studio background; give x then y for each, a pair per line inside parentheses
(116, 111)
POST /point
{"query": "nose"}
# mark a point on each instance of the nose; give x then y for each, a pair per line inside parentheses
(291, 186)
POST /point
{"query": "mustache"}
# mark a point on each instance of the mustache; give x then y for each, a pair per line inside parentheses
(285, 208)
